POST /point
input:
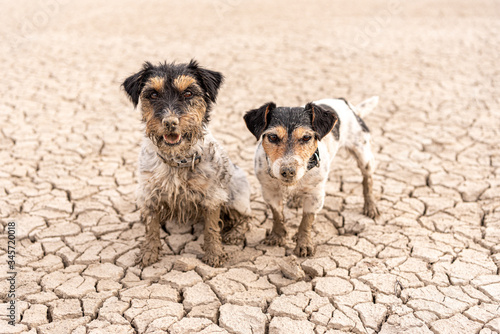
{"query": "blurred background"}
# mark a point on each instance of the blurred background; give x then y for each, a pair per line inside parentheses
(288, 51)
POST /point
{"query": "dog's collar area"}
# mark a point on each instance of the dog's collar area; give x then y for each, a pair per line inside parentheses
(189, 161)
(314, 160)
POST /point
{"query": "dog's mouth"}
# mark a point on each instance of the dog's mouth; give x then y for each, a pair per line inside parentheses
(172, 139)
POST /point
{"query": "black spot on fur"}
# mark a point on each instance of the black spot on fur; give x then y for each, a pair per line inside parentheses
(323, 120)
(257, 120)
(209, 81)
(362, 123)
(336, 127)
(320, 120)
(134, 84)
(289, 118)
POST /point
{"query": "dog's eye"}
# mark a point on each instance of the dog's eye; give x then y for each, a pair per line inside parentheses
(153, 95)
(187, 95)
(306, 138)
(272, 138)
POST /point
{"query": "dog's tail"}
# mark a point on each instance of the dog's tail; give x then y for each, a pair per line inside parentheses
(366, 107)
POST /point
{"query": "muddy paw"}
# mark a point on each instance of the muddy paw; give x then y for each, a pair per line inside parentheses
(370, 210)
(274, 239)
(215, 259)
(148, 256)
(233, 237)
(304, 248)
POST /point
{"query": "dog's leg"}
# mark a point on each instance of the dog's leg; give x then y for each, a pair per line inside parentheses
(237, 211)
(237, 232)
(277, 237)
(366, 163)
(312, 205)
(214, 252)
(305, 246)
(150, 249)
(274, 198)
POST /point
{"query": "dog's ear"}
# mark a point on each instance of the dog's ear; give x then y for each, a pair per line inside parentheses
(134, 84)
(322, 120)
(257, 119)
(210, 81)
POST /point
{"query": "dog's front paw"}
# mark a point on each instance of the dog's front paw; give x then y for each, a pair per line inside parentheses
(304, 248)
(370, 210)
(215, 258)
(148, 256)
(274, 239)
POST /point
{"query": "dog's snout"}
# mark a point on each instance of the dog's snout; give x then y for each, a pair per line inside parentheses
(287, 172)
(170, 122)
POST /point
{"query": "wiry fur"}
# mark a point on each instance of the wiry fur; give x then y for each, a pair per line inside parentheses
(211, 183)
(184, 174)
(290, 139)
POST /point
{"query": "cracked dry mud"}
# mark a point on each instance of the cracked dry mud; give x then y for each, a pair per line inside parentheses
(69, 142)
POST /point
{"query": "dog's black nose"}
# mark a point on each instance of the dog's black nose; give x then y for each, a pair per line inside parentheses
(287, 172)
(170, 122)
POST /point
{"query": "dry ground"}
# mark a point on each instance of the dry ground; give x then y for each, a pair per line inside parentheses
(69, 142)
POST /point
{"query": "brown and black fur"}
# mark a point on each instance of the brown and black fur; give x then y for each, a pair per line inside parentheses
(297, 146)
(184, 174)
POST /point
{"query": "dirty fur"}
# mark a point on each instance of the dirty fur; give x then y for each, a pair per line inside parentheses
(184, 174)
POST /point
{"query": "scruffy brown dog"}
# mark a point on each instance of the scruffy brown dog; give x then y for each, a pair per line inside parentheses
(184, 174)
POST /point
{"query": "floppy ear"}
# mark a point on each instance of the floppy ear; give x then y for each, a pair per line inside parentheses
(257, 119)
(322, 120)
(134, 84)
(210, 81)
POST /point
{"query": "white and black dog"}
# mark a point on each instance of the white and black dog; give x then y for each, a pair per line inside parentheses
(294, 156)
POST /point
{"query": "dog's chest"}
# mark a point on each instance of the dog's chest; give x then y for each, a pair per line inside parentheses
(186, 192)
(186, 188)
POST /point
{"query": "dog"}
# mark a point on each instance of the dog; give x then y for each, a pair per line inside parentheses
(184, 174)
(293, 158)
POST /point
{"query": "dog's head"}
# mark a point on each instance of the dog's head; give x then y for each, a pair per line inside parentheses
(175, 102)
(289, 136)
